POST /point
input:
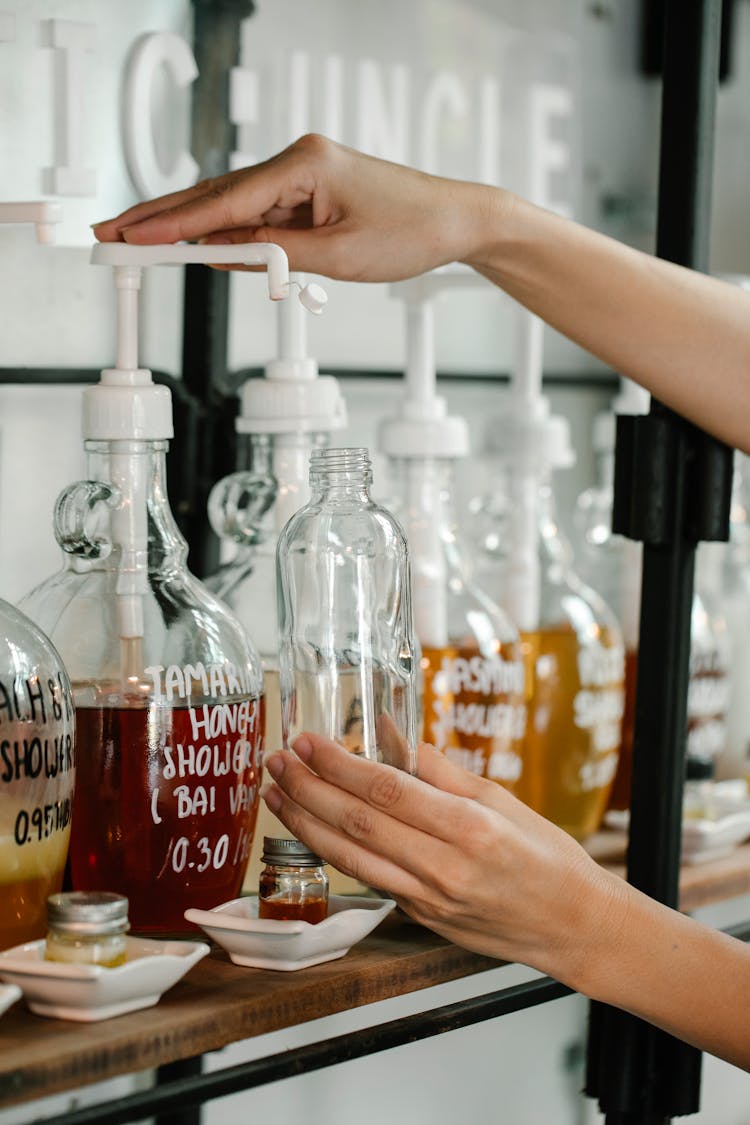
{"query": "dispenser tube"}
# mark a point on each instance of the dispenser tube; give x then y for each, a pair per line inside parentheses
(128, 284)
(420, 352)
(291, 327)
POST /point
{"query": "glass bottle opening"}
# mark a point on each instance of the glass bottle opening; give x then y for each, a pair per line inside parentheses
(328, 466)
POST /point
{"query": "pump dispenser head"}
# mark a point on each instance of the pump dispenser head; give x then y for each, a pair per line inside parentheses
(423, 428)
(293, 397)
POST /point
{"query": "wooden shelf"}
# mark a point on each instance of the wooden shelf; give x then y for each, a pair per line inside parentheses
(219, 1003)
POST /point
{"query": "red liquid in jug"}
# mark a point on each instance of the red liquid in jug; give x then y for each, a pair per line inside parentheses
(165, 813)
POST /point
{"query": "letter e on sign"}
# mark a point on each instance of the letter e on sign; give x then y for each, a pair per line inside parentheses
(157, 49)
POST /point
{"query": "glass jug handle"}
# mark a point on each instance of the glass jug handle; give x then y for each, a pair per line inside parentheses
(238, 503)
(78, 518)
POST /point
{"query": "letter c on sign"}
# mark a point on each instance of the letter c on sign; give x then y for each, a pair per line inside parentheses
(161, 48)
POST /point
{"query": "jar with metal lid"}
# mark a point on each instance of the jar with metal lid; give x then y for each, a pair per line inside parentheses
(87, 928)
(293, 883)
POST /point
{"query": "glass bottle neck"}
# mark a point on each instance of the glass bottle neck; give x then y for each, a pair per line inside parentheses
(340, 475)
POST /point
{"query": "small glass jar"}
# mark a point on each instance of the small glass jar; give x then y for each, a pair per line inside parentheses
(87, 928)
(293, 884)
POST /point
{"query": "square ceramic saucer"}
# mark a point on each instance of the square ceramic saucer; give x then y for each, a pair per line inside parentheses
(269, 943)
(92, 992)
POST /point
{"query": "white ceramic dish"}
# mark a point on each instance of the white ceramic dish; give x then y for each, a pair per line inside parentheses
(269, 943)
(702, 839)
(9, 993)
(90, 992)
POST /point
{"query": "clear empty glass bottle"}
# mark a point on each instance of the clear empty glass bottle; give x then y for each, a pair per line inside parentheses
(168, 688)
(37, 775)
(293, 885)
(347, 654)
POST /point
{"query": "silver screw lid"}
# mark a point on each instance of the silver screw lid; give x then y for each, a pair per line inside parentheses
(291, 852)
(88, 912)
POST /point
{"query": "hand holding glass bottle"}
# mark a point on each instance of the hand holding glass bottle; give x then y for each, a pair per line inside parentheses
(463, 856)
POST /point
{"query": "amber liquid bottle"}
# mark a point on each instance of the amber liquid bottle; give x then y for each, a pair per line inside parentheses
(572, 646)
(573, 732)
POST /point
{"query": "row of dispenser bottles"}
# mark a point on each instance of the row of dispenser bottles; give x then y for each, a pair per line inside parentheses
(37, 752)
(613, 564)
(523, 663)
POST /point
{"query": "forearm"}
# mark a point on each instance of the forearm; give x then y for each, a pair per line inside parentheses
(682, 335)
(670, 970)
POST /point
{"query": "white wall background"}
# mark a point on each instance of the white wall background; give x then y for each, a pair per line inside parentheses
(55, 310)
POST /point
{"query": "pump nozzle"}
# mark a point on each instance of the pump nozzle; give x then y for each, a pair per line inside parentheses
(266, 254)
(43, 215)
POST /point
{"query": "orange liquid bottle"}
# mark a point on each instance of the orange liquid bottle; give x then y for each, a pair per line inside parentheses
(473, 707)
(575, 700)
(163, 816)
(572, 643)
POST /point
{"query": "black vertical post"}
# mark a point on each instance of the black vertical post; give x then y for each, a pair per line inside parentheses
(201, 453)
(672, 485)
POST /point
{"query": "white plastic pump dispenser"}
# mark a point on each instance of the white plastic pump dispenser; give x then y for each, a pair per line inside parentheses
(471, 660)
(282, 416)
(127, 406)
(535, 443)
(422, 431)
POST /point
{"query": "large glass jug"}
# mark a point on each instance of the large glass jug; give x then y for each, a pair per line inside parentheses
(168, 697)
(573, 650)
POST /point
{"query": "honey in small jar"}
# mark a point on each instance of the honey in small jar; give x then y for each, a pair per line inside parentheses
(87, 928)
(293, 884)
